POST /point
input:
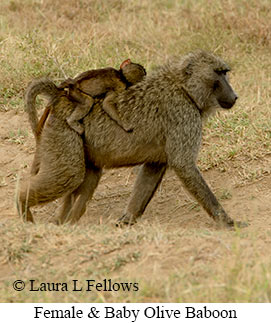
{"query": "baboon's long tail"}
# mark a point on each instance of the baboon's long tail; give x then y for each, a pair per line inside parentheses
(40, 86)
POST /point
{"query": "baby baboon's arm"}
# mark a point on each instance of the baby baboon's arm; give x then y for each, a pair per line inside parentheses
(109, 106)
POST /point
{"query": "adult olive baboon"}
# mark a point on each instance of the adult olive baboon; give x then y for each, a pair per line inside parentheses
(166, 111)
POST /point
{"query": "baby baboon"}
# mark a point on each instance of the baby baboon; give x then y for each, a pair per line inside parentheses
(166, 110)
(94, 83)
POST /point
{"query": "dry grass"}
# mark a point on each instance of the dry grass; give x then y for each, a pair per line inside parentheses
(176, 253)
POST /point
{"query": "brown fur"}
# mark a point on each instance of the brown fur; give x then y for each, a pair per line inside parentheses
(35, 88)
(94, 83)
(166, 111)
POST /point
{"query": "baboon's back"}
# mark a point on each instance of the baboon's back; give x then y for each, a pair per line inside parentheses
(98, 82)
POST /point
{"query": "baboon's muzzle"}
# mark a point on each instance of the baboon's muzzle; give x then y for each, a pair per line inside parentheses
(229, 103)
(228, 97)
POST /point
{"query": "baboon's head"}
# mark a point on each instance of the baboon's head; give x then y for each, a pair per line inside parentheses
(132, 72)
(205, 79)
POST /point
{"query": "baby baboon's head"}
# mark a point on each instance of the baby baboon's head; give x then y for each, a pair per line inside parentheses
(132, 72)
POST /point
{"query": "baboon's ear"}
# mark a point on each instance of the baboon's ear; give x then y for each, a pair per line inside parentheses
(125, 63)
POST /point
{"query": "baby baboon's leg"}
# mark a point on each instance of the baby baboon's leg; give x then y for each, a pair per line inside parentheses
(75, 203)
(109, 106)
(147, 182)
(82, 108)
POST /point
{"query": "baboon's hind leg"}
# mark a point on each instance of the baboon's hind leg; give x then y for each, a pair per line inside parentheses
(68, 201)
(74, 205)
(43, 188)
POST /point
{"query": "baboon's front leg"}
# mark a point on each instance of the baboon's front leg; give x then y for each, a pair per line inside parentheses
(196, 185)
(147, 182)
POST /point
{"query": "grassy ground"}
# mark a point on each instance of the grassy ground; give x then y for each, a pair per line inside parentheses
(176, 253)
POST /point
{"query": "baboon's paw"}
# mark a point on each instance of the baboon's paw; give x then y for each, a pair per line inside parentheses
(125, 220)
(233, 224)
(240, 224)
(55, 221)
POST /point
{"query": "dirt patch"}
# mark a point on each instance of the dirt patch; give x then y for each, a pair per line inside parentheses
(175, 239)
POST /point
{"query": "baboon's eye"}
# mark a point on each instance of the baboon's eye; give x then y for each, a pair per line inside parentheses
(222, 72)
(216, 85)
